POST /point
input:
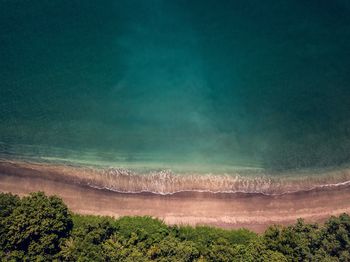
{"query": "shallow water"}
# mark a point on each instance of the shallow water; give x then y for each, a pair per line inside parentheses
(181, 85)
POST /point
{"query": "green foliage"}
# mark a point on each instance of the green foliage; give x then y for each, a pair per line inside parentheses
(40, 228)
(88, 234)
(8, 202)
(335, 239)
(257, 251)
(296, 242)
(214, 244)
(148, 229)
(206, 235)
(35, 227)
(309, 242)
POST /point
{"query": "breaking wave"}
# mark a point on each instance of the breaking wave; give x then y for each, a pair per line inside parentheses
(166, 182)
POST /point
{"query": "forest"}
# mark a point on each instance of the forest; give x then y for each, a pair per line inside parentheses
(41, 228)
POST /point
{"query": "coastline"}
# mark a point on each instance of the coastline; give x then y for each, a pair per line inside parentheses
(254, 211)
(166, 182)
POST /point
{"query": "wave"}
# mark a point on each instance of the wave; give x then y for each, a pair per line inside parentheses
(166, 182)
(334, 185)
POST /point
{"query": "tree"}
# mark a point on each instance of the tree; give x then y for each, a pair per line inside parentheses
(85, 243)
(257, 251)
(37, 226)
(336, 237)
(297, 242)
(8, 203)
(172, 249)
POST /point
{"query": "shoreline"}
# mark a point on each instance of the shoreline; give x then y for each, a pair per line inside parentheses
(166, 182)
(254, 211)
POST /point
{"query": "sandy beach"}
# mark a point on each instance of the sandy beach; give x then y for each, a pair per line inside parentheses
(227, 210)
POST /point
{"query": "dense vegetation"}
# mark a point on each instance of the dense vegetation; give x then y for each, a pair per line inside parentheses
(41, 228)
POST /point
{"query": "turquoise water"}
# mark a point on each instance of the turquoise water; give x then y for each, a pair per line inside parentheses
(176, 83)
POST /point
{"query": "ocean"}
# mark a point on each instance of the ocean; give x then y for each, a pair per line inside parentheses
(207, 87)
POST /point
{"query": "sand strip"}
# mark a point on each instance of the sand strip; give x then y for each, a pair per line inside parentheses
(253, 211)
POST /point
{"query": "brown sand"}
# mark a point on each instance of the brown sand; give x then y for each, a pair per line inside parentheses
(253, 211)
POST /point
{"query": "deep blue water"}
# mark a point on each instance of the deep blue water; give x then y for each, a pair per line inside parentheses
(246, 82)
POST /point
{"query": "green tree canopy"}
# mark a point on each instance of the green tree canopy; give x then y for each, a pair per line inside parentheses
(36, 226)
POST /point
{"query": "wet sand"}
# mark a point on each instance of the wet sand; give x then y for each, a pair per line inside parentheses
(252, 211)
